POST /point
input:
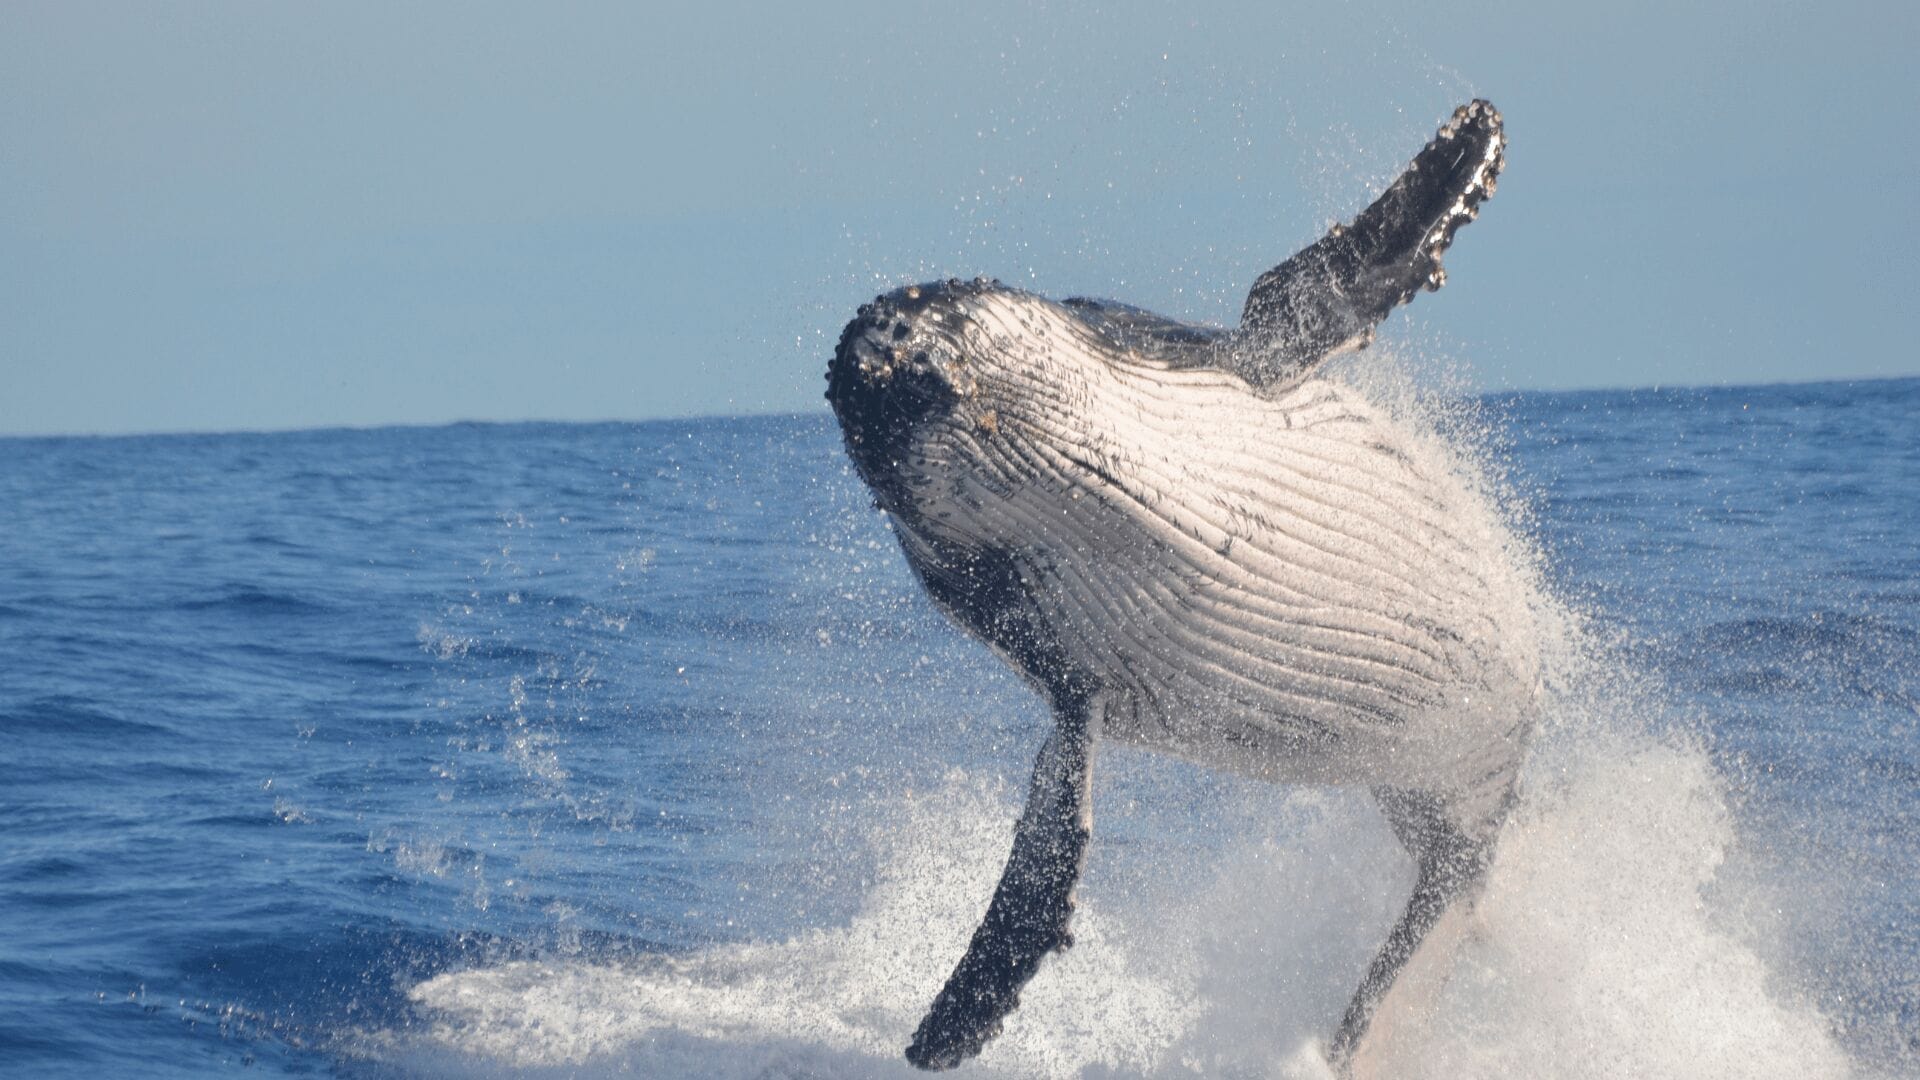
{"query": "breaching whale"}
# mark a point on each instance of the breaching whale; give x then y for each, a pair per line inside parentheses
(1191, 539)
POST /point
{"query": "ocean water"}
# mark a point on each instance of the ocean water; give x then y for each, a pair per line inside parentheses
(633, 749)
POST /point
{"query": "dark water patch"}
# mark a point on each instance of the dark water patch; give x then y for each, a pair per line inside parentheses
(1758, 681)
(1852, 492)
(1904, 771)
(1819, 635)
(41, 868)
(35, 819)
(17, 971)
(35, 1049)
(244, 822)
(253, 600)
(1866, 570)
(275, 543)
(69, 901)
(114, 775)
(1771, 632)
(64, 717)
(308, 651)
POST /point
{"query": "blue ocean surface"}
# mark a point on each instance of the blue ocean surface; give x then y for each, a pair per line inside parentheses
(634, 749)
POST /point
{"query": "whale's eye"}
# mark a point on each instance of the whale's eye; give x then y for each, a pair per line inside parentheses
(899, 330)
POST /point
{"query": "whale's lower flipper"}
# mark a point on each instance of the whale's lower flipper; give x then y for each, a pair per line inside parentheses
(1332, 293)
(1028, 916)
(1451, 865)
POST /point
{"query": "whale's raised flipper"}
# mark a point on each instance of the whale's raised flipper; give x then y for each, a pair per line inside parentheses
(1450, 866)
(1027, 918)
(1331, 294)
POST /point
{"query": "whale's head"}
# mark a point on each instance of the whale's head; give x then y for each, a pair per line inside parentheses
(954, 395)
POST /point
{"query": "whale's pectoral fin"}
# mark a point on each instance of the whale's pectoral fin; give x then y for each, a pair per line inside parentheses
(1027, 918)
(1330, 295)
(1451, 865)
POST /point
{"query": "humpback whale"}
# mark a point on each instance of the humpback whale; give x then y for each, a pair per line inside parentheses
(1196, 540)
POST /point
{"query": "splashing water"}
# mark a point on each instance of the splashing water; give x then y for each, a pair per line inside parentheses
(1605, 943)
(1598, 951)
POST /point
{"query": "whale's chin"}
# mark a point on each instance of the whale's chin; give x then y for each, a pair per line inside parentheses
(948, 400)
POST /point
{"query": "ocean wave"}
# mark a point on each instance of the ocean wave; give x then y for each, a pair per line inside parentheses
(64, 716)
(254, 600)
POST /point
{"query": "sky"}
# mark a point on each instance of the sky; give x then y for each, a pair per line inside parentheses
(243, 216)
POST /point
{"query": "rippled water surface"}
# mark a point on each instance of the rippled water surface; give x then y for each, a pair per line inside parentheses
(581, 749)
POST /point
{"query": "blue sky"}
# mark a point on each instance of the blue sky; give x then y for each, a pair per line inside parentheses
(239, 216)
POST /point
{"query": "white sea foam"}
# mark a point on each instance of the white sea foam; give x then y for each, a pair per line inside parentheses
(832, 1002)
(1602, 948)
(1599, 950)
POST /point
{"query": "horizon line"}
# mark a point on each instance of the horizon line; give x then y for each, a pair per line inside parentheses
(706, 417)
